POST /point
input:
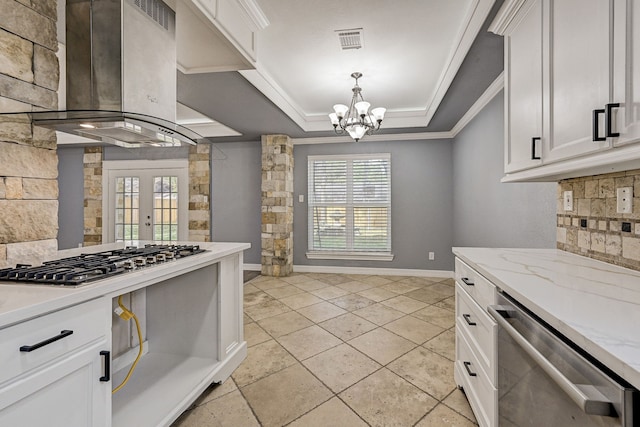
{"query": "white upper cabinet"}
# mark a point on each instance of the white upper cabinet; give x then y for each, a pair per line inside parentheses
(523, 89)
(625, 108)
(578, 84)
(572, 87)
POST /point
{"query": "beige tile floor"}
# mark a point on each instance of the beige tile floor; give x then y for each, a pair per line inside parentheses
(342, 350)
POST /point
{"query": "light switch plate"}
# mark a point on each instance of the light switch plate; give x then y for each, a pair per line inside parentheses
(625, 199)
(300, 198)
(567, 200)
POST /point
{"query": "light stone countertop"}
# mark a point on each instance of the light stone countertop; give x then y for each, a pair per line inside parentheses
(594, 304)
(20, 302)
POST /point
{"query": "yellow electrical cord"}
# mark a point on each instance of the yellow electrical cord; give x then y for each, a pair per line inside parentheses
(127, 315)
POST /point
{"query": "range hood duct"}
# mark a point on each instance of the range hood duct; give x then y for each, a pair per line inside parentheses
(121, 75)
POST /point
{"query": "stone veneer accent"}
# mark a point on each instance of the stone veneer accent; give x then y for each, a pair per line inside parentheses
(594, 228)
(28, 161)
(200, 192)
(277, 205)
(92, 171)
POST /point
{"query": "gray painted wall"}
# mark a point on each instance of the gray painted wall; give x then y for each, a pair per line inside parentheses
(444, 193)
(71, 182)
(236, 198)
(487, 212)
(71, 198)
(421, 199)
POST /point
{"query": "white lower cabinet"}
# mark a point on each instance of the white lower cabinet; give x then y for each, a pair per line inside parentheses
(476, 343)
(65, 394)
(55, 369)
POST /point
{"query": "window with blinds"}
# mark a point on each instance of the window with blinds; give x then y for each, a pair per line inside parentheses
(349, 202)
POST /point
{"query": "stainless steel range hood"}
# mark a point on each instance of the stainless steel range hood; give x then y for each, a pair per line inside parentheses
(121, 77)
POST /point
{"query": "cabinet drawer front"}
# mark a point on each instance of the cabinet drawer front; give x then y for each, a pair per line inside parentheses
(482, 396)
(480, 289)
(88, 321)
(481, 330)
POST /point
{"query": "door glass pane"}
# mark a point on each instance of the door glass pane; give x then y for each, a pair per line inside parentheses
(165, 201)
(127, 206)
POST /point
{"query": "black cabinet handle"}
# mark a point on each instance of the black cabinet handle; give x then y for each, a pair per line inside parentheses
(107, 366)
(466, 366)
(28, 348)
(467, 281)
(608, 124)
(467, 317)
(596, 126)
(533, 148)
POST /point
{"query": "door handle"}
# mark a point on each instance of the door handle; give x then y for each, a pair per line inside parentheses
(589, 404)
(533, 148)
(596, 125)
(608, 120)
(467, 317)
(467, 281)
(466, 366)
(29, 348)
(107, 366)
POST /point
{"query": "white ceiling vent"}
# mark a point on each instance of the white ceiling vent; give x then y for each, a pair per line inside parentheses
(351, 39)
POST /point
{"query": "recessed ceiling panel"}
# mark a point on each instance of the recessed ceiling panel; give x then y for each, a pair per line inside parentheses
(411, 51)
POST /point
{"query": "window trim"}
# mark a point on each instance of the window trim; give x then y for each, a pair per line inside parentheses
(347, 254)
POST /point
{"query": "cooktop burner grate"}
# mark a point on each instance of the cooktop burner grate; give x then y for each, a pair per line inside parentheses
(85, 268)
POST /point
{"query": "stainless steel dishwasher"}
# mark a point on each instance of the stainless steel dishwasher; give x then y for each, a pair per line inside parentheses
(545, 380)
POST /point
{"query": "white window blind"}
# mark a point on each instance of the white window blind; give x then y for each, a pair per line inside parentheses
(350, 203)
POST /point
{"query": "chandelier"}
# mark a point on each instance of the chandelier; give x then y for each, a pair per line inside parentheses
(356, 118)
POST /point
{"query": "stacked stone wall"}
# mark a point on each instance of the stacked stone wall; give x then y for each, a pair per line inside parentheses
(29, 76)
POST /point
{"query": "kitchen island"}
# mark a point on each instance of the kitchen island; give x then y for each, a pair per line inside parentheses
(594, 304)
(190, 313)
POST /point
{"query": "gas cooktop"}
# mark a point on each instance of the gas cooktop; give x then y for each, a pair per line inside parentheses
(85, 268)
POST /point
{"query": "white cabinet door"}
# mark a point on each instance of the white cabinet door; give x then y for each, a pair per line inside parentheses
(68, 393)
(625, 116)
(523, 89)
(579, 77)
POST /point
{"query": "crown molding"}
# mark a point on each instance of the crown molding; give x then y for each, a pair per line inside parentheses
(417, 136)
(255, 13)
(477, 15)
(419, 117)
(505, 15)
(493, 89)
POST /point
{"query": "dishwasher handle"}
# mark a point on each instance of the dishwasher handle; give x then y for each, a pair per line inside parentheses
(588, 398)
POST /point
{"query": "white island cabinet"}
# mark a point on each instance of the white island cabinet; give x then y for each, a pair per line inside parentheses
(190, 311)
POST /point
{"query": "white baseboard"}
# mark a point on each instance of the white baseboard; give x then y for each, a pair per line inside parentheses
(362, 270)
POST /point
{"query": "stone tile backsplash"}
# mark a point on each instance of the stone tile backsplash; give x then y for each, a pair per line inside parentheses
(594, 228)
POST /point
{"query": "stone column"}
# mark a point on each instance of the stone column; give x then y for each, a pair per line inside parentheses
(277, 205)
(92, 168)
(200, 193)
(28, 161)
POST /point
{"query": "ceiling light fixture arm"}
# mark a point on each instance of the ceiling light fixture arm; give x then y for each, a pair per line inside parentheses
(356, 119)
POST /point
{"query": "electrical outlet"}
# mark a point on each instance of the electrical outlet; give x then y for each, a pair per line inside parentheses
(301, 198)
(567, 199)
(432, 256)
(625, 199)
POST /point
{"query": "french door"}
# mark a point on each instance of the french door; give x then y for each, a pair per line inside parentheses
(145, 200)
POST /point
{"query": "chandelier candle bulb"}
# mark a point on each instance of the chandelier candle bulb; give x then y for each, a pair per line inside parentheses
(355, 119)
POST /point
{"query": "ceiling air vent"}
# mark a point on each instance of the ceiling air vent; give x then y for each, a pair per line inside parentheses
(351, 39)
(156, 10)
